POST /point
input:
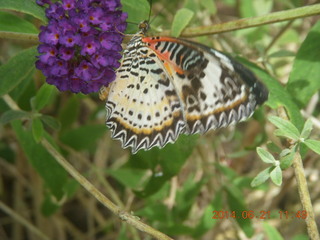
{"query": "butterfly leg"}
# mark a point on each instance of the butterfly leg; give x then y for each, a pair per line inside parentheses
(104, 92)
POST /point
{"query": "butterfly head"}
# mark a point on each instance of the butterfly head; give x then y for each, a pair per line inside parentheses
(144, 27)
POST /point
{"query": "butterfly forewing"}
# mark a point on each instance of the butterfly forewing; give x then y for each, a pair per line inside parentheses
(167, 86)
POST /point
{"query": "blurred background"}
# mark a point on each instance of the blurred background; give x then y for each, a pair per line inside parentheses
(189, 189)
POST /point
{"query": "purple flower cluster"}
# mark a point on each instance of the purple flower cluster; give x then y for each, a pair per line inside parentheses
(80, 46)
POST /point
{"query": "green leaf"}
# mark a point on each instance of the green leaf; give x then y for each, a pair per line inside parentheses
(209, 5)
(286, 160)
(271, 232)
(307, 128)
(11, 115)
(261, 177)
(235, 202)
(276, 175)
(278, 96)
(51, 122)
(12, 23)
(314, 145)
(304, 78)
(262, 7)
(43, 96)
(29, 7)
(281, 53)
(265, 156)
(155, 210)
(69, 112)
(16, 70)
(286, 128)
(301, 237)
(52, 173)
(131, 178)
(227, 171)
(83, 137)
(206, 222)
(171, 159)
(247, 9)
(49, 207)
(180, 21)
(138, 11)
(185, 198)
(37, 129)
(71, 187)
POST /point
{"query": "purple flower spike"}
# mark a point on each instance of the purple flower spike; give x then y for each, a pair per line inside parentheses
(80, 46)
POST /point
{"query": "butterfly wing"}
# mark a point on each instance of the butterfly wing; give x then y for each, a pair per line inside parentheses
(215, 90)
(167, 86)
(143, 108)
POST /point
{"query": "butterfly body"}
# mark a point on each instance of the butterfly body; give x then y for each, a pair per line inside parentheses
(167, 86)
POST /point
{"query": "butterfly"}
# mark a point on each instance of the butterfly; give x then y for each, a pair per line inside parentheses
(169, 86)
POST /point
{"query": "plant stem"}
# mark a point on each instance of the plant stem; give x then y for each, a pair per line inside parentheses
(216, 28)
(124, 216)
(305, 197)
(303, 188)
(252, 21)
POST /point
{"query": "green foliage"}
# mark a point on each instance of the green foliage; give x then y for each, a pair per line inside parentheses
(175, 189)
(11, 75)
(180, 21)
(272, 232)
(43, 97)
(139, 11)
(285, 128)
(12, 23)
(53, 174)
(288, 130)
(305, 74)
(23, 6)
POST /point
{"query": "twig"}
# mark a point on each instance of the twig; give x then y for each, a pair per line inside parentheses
(252, 21)
(303, 189)
(216, 28)
(124, 216)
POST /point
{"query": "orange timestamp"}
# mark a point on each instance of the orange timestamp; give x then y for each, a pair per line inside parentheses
(301, 214)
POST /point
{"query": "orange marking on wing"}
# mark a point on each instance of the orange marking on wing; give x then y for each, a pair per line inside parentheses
(218, 110)
(160, 39)
(165, 56)
(149, 131)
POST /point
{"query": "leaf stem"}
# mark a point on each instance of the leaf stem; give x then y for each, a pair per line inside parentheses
(303, 189)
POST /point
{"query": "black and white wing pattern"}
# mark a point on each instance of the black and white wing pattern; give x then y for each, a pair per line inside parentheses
(168, 86)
